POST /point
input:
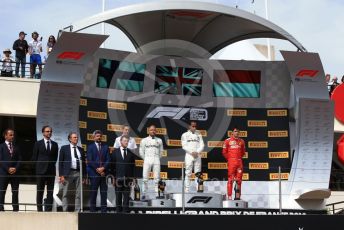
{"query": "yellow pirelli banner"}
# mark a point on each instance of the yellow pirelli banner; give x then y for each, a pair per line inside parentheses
(164, 153)
(258, 144)
(205, 176)
(82, 125)
(175, 164)
(278, 133)
(241, 133)
(277, 113)
(163, 175)
(257, 123)
(236, 112)
(278, 155)
(90, 137)
(139, 163)
(83, 102)
(275, 176)
(137, 140)
(174, 142)
(84, 147)
(245, 176)
(215, 144)
(204, 155)
(159, 131)
(117, 105)
(97, 115)
(203, 132)
(217, 165)
(245, 155)
(114, 127)
(258, 165)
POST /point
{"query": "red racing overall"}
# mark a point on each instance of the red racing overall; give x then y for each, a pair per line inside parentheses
(233, 150)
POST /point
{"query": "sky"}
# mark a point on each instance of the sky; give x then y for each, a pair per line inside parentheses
(317, 24)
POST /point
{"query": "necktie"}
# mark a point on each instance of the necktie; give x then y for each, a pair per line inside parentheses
(77, 158)
(48, 146)
(125, 153)
(10, 148)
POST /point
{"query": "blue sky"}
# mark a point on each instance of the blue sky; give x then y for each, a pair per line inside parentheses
(317, 24)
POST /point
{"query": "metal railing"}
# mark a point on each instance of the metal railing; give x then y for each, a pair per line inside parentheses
(27, 71)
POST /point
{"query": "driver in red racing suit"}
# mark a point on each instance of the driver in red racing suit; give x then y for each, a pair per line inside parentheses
(233, 150)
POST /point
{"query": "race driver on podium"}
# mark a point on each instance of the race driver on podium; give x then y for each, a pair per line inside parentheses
(233, 151)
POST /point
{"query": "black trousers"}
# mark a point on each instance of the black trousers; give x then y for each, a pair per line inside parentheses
(4, 181)
(43, 180)
(122, 194)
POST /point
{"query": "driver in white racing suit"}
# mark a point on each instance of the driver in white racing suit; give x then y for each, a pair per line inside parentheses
(151, 149)
(193, 145)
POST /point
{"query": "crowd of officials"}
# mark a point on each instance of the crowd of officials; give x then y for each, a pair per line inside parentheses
(22, 48)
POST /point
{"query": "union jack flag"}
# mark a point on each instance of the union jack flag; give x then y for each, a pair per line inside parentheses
(178, 80)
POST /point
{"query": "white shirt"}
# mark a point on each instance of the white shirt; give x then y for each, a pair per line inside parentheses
(131, 144)
(35, 47)
(151, 147)
(8, 145)
(46, 143)
(192, 142)
(73, 163)
(122, 152)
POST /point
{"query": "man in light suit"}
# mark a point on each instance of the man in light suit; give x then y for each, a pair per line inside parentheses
(98, 159)
(9, 164)
(69, 171)
(45, 153)
(122, 163)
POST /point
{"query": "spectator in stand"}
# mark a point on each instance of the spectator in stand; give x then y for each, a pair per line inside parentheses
(7, 61)
(334, 84)
(342, 80)
(21, 47)
(35, 49)
(328, 78)
(50, 44)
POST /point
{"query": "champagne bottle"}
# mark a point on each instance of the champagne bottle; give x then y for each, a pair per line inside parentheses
(200, 187)
(137, 191)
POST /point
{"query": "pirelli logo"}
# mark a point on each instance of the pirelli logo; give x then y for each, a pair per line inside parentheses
(217, 165)
(245, 176)
(84, 147)
(245, 155)
(215, 144)
(160, 131)
(236, 112)
(241, 133)
(275, 176)
(97, 115)
(164, 153)
(139, 163)
(257, 123)
(175, 164)
(138, 140)
(90, 137)
(203, 133)
(259, 165)
(163, 175)
(83, 102)
(114, 128)
(117, 105)
(258, 144)
(277, 113)
(205, 176)
(204, 155)
(278, 133)
(82, 125)
(171, 142)
(278, 155)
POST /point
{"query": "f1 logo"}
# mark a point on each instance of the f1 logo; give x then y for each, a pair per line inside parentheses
(71, 55)
(201, 199)
(307, 72)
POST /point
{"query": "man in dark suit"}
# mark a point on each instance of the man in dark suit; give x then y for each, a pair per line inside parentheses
(45, 154)
(123, 162)
(9, 164)
(98, 160)
(69, 172)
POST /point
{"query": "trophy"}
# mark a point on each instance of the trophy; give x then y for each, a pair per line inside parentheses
(161, 189)
(137, 191)
(200, 187)
(236, 191)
